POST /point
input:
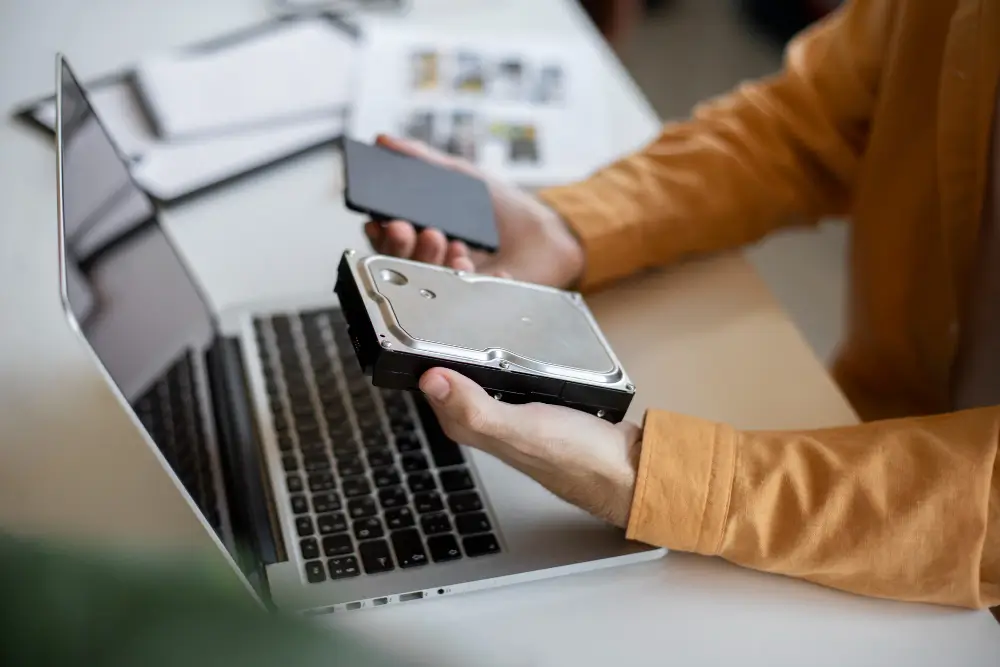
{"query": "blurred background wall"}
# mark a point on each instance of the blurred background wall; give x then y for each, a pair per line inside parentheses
(683, 51)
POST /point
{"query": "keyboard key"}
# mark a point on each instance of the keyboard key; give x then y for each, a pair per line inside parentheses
(468, 524)
(294, 483)
(359, 508)
(299, 504)
(313, 447)
(401, 422)
(309, 548)
(400, 517)
(368, 529)
(374, 439)
(421, 481)
(384, 477)
(285, 443)
(368, 421)
(289, 463)
(467, 501)
(428, 502)
(413, 462)
(321, 481)
(435, 523)
(378, 458)
(304, 526)
(456, 480)
(344, 567)
(315, 572)
(338, 545)
(308, 430)
(356, 486)
(444, 451)
(333, 522)
(316, 462)
(303, 411)
(348, 466)
(328, 501)
(407, 442)
(375, 557)
(409, 549)
(480, 545)
(443, 548)
(392, 497)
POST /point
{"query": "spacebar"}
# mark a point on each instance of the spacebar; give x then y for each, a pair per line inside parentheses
(443, 449)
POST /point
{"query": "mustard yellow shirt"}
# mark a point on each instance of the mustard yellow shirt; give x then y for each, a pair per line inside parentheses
(882, 113)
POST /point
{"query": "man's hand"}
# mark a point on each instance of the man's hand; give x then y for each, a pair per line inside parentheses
(535, 244)
(580, 458)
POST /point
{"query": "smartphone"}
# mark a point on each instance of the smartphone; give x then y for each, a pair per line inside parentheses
(387, 185)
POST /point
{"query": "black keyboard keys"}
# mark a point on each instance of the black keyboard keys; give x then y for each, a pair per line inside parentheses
(349, 466)
(299, 504)
(294, 483)
(435, 523)
(316, 462)
(384, 477)
(456, 480)
(289, 463)
(315, 572)
(356, 486)
(338, 545)
(413, 462)
(378, 458)
(420, 482)
(443, 548)
(392, 497)
(331, 523)
(467, 501)
(368, 529)
(480, 545)
(328, 501)
(304, 526)
(443, 449)
(427, 502)
(309, 548)
(468, 524)
(343, 568)
(360, 508)
(321, 481)
(375, 557)
(407, 442)
(401, 517)
(409, 549)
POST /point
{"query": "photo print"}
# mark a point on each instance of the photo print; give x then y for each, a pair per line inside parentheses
(469, 74)
(508, 81)
(463, 135)
(420, 125)
(520, 141)
(549, 86)
(424, 67)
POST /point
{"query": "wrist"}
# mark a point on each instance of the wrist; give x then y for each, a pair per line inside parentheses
(570, 256)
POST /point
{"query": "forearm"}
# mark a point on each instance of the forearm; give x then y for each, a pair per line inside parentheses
(777, 151)
(906, 509)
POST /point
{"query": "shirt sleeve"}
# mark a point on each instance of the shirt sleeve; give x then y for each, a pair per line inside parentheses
(782, 150)
(905, 509)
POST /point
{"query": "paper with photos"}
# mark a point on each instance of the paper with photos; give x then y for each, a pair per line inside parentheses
(526, 110)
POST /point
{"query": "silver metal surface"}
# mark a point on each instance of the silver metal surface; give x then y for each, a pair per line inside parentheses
(485, 320)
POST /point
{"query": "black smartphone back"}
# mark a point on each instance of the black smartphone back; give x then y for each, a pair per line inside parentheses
(387, 185)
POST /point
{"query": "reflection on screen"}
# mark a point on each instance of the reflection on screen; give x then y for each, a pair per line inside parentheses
(128, 289)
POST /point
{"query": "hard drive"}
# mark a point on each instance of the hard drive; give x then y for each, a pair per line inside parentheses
(521, 342)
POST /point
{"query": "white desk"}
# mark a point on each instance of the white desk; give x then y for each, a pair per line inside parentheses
(706, 339)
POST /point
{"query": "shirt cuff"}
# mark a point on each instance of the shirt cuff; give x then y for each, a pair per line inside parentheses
(684, 483)
(593, 211)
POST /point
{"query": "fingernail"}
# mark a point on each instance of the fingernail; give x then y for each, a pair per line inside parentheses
(435, 386)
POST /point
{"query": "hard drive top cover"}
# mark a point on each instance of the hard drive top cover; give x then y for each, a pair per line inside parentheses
(481, 319)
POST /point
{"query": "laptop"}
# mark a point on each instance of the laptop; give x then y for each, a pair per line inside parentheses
(322, 492)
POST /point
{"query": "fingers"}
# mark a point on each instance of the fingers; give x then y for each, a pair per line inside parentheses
(464, 408)
(457, 257)
(398, 239)
(431, 247)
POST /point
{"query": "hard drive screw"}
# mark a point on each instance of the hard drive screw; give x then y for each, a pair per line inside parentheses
(351, 253)
(459, 273)
(386, 344)
(496, 396)
(504, 364)
(600, 413)
(630, 387)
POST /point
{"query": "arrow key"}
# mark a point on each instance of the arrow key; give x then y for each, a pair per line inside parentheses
(443, 548)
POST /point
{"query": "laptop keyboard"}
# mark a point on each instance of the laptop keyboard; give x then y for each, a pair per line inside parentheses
(373, 481)
(172, 417)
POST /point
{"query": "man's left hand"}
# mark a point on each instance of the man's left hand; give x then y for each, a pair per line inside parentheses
(578, 457)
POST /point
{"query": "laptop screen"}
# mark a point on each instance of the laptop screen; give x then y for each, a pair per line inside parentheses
(128, 289)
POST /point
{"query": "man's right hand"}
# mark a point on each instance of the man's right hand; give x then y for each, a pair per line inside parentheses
(535, 244)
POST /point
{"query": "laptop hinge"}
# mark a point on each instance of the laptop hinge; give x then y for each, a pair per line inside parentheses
(257, 543)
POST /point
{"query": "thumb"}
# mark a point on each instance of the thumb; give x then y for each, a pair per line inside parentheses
(461, 403)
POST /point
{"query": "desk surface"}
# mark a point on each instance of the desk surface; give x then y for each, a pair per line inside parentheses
(705, 338)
